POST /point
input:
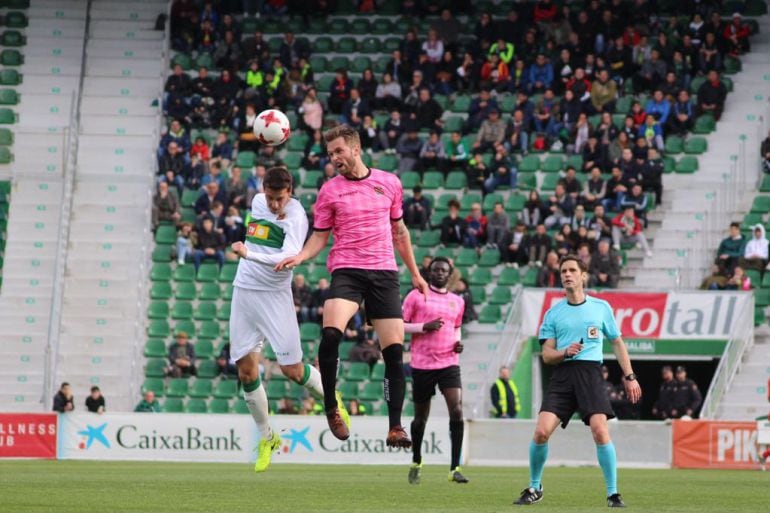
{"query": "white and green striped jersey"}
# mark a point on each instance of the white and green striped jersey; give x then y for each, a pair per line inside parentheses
(269, 240)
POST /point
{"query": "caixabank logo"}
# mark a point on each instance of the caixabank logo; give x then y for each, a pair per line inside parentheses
(126, 436)
(299, 440)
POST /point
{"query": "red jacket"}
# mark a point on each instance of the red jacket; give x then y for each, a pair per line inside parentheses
(740, 30)
(544, 13)
(618, 221)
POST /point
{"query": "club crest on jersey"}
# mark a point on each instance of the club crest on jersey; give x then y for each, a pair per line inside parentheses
(378, 189)
(593, 332)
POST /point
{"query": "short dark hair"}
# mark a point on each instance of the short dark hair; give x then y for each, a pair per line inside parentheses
(64, 384)
(346, 132)
(95, 389)
(573, 258)
(277, 178)
(453, 203)
(440, 259)
(735, 225)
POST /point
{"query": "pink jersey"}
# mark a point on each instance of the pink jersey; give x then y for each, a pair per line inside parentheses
(434, 350)
(359, 212)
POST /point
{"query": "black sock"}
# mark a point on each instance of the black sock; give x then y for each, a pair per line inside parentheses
(395, 384)
(418, 430)
(456, 431)
(328, 356)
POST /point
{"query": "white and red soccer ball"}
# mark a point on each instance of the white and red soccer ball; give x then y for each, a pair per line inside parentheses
(272, 127)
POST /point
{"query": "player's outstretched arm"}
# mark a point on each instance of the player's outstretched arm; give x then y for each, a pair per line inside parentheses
(313, 246)
(403, 244)
(633, 390)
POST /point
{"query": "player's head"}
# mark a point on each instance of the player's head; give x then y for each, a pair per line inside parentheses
(439, 272)
(277, 184)
(344, 148)
(573, 272)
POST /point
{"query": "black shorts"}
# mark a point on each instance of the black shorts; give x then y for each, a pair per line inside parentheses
(577, 386)
(379, 291)
(424, 382)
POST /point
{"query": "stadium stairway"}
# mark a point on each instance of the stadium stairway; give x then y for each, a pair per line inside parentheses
(49, 64)
(746, 398)
(698, 208)
(103, 308)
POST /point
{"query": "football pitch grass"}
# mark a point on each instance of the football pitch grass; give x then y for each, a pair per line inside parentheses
(87, 486)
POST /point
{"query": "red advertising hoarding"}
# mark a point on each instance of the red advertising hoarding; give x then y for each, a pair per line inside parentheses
(28, 435)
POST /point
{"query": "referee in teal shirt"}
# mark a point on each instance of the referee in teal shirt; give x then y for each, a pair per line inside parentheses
(571, 336)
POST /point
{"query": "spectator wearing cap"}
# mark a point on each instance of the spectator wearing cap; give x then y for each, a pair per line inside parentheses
(736, 35)
(417, 210)
(95, 401)
(491, 134)
(181, 356)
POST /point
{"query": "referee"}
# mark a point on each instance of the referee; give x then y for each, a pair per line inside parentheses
(571, 335)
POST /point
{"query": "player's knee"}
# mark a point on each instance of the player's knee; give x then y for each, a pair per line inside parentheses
(330, 341)
(601, 434)
(419, 423)
(456, 412)
(294, 372)
(393, 355)
(541, 435)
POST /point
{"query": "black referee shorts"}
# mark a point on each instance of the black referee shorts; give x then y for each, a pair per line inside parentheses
(577, 386)
(424, 382)
(379, 291)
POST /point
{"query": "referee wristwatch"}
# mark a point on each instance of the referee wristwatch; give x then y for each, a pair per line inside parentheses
(630, 377)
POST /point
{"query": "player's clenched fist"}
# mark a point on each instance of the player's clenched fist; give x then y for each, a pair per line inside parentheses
(239, 248)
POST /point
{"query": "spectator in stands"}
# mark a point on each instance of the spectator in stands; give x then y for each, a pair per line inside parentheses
(730, 250)
(549, 275)
(513, 249)
(181, 357)
(479, 110)
(254, 183)
(594, 189)
(491, 134)
(302, 295)
(710, 54)
(687, 396)
(236, 189)
(601, 224)
(565, 240)
(579, 218)
(581, 132)
(148, 404)
(533, 210)
(95, 401)
(354, 109)
(172, 167)
(627, 228)
(738, 281)
(476, 227)
(186, 240)
(538, 245)
(210, 244)
(736, 35)
(652, 131)
(502, 171)
(228, 52)
(664, 406)
(498, 226)
(165, 206)
(210, 193)
(540, 75)
(604, 92)
(329, 172)
(681, 119)
(571, 184)
(432, 153)
(605, 266)
(417, 210)
(312, 111)
(638, 200)
(178, 82)
(765, 152)
(715, 281)
(456, 153)
(461, 289)
(616, 186)
(561, 206)
(516, 134)
(659, 107)
(427, 111)
(392, 132)
(408, 149)
(320, 294)
(315, 152)
(453, 227)
(593, 154)
(233, 228)
(63, 401)
(547, 114)
(495, 73)
(387, 95)
(339, 91)
(755, 254)
(227, 367)
(505, 396)
(176, 133)
(711, 95)
(221, 151)
(292, 50)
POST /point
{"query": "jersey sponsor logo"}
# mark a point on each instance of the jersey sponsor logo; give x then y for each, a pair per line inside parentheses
(264, 233)
(258, 231)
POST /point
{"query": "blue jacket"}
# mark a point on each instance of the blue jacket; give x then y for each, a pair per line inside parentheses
(660, 110)
(542, 74)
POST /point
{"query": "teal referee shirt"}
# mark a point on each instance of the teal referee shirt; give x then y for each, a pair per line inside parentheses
(590, 322)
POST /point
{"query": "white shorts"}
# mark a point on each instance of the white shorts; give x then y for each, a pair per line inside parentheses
(257, 316)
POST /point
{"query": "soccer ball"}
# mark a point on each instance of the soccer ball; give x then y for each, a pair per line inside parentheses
(272, 127)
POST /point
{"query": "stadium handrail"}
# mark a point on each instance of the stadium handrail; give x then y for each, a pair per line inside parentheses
(736, 347)
(511, 332)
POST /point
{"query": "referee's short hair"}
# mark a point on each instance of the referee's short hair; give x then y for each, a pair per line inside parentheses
(346, 132)
(277, 178)
(573, 258)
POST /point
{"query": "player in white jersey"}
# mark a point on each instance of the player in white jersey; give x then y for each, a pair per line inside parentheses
(262, 306)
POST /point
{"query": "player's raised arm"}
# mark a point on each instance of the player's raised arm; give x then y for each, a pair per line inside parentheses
(633, 390)
(403, 244)
(313, 246)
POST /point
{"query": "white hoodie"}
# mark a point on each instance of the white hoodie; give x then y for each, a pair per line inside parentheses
(757, 248)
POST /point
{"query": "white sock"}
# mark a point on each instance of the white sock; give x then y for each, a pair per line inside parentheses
(313, 382)
(256, 401)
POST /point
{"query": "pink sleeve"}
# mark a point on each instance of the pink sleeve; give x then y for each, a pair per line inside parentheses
(323, 213)
(397, 208)
(408, 308)
(459, 320)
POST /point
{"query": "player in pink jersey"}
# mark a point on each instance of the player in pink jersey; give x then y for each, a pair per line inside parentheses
(362, 208)
(436, 349)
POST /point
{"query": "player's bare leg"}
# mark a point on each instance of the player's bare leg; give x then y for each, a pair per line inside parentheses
(256, 402)
(417, 428)
(337, 313)
(391, 335)
(605, 453)
(454, 404)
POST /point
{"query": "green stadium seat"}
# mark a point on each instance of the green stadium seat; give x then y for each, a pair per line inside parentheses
(6, 157)
(189, 197)
(550, 182)
(345, 348)
(183, 60)
(382, 27)
(318, 63)
(311, 179)
(390, 44)
(674, 145)
(6, 137)
(515, 202)
(12, 38)
(468, 257)
(240, 407)
(201, 388)
(208, 369)
(462, 103)
(762, 297)
(223, 312)
(184, 273)
(317, 274)
(219, 406)
(276, 389)
(208, 273)
(490, 314)
(158, 328)
(161, 290)
(755, 276)
(552, 164)
(165, 235)
(196, 406)
(185, 291)
(226, 389)
(429, 238)
(209, 330)
(467, 201)
(156, 367)
(371, 391)
(501, 295)
(669, 164)
(478, 294)
(409, 179)
(489, 258)
(204, 349)
(160, 272)
(182, 310)
(378, 372)
(246, 159)
(210, 292)
(161, 253)
(695, 145)
(761, 205)
(432, 180)
(704, 124)
(339, 26)
(480, 276)
(527, 181)
(310, 332)
(575, 161)
(732, 65)
(177, 387)
(155, 348)
(323, 45)
(173, 405)
(765, 186)
(687, 165)
(489, 201)
(153, 385)
(8, 97)
(349, 389)
(293, 159)
(509, 277)
(11, 57)
(227, 273)
(185, 326)
(390, 163)
(360, 26)
(530, 277)
(357, 371)
(529, 164)
(360, 64)
(158, 310)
